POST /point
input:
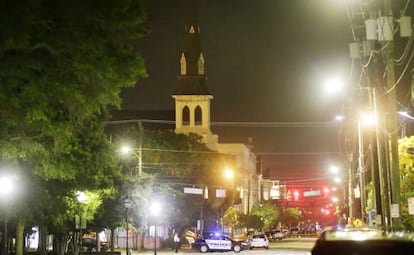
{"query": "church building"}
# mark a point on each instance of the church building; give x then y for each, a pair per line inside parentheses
(192, 115)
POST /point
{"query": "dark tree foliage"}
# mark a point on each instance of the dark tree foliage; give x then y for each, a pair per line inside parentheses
(62, 63)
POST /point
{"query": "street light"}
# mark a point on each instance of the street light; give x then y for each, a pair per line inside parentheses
(127, 204)
(6, 188)
(229, 174)
(128, 150)
(80, 220)
(362, 120)
(155, 210)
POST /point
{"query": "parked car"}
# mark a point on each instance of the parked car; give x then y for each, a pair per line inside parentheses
(274, 235)
(294, 231)
(259, 241)
(217, 242)
(278, 235)
(90, 244)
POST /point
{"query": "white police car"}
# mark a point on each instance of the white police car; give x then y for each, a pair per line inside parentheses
(217, 242)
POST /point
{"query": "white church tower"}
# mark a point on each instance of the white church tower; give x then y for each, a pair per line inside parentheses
(192, 98)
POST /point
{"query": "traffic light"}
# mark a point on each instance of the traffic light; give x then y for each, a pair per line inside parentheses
(325, 211)
(296, 195)
(326, 191)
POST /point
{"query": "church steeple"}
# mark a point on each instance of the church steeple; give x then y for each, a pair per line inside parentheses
(192, 98)
(192, 78)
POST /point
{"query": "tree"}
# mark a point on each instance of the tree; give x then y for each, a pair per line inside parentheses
(251, 222)
(62, 63)
(290, 216)
(268, 213)
(170, 162)
(231, 219)
(406, 163)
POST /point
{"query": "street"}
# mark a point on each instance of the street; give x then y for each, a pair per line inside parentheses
(294, 246)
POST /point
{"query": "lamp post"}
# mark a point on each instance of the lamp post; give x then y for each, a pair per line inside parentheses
(155, 210)
(6, 188)
(128, 150)
(80, 220)
(127, 204)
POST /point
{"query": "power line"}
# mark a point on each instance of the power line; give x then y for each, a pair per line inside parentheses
(234, 123)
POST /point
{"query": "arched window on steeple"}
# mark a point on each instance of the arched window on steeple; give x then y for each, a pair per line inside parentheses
(198, 116)
(186, 116)
(201, 64)
(183, 64)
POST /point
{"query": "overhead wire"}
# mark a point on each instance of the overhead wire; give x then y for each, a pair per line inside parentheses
(235, 123)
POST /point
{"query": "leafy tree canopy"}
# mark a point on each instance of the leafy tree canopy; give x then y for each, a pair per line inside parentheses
(406, 161)
(268, 213)
(62, 63)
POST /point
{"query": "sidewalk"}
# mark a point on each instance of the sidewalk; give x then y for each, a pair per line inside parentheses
(183, 249)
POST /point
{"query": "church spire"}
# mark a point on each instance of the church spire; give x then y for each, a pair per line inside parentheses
(192, 78)
(192, 99)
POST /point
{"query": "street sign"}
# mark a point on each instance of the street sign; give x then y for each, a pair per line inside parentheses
(80, 222)
(220, 193)
(195, 191)
(411, 205)
(371, 217)
(311, 193)
(395, 211)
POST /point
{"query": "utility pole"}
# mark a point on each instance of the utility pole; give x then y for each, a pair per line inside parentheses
(140, 149)
(391, 124)
(350, 191)
(361, 169)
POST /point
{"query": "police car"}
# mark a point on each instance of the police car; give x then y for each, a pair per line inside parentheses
(217, 242)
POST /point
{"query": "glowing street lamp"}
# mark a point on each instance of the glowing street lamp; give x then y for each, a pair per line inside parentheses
(126, 150)
(334, 169)
(155, 210)
(127, 204)
(80, 220)
(6, 187)
(333, 85)
(229, 174)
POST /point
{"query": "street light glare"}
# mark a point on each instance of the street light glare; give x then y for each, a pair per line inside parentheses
(6, 185)
(229, 173)
(155, 208)
(369, 119)
(405, 114)
(334, 85)
(339, 117)
(334, 169)
(81, 196)
(125, 149)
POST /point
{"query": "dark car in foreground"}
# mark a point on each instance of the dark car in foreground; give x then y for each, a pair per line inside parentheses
(218, 242)
(363, 241)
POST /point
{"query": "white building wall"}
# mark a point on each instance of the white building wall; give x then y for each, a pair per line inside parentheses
(245, 164)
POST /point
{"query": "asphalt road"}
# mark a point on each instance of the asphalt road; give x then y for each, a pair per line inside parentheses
(288, 246)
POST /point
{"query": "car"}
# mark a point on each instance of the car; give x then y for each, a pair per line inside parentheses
(278, 235)
(363, 241)
(217, 242)
(90, 244)
(294, 231)
(273, 235)
(259, 241)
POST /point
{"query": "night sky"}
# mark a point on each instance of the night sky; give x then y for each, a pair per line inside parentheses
(266, 61)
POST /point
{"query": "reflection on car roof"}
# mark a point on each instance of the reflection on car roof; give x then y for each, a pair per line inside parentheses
(362, 234)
